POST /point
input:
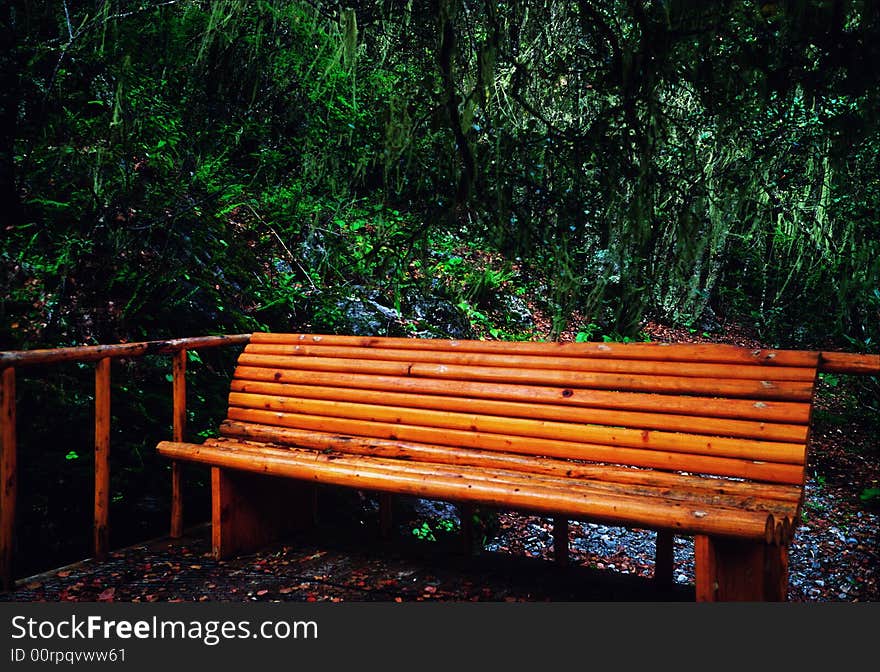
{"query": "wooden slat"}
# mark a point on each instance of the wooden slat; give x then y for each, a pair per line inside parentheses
(685, 495)
(690, 352)
(737, 409)
(613, 418)
(419, 452)
(8, 475)
(769, 451)
(750, 389)
(850, 363)
(410, 479)
(575, 363)
(720, 466)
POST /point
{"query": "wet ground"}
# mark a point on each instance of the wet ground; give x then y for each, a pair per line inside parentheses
(833, 558)
(347, 565)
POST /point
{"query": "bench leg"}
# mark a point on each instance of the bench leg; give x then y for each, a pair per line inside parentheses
(664, 558)
(560, 541)
(386, 517)
(468, 534)
(729, 570)
(250, 511)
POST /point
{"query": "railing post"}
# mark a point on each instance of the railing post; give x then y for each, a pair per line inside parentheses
(178, 371)
(8, 476)
(102, 458)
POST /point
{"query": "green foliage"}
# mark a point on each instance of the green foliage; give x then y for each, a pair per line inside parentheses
(426, 531)
(870, 497)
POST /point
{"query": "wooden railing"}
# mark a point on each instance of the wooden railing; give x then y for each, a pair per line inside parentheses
(102, 355)
(829, 362)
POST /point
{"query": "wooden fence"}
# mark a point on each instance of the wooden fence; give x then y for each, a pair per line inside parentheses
(10, 361)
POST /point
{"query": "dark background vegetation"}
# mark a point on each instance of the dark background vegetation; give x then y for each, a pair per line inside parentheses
(458, 168)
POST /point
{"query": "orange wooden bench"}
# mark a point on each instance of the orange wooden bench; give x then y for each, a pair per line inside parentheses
(702, 440)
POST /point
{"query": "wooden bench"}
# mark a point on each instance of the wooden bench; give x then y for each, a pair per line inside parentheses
(702, 440)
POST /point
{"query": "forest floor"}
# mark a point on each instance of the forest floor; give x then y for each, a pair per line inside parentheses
(835, 555)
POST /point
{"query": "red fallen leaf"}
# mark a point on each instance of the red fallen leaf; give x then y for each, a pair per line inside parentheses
(430, 589)
(107, 595)
(311, 598)
(63, 574)
(152, 598)
(285, 590)
(33, 585)
(398, 599)
(262, 592)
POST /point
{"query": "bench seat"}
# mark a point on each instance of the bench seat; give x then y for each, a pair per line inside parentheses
(702, 440)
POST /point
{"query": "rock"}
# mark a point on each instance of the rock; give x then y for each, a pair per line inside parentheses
(282, 266)
(515, 310)
(444, 318)
(366, 317)
(709, 321)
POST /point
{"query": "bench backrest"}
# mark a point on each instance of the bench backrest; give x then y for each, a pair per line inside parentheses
(703, 408)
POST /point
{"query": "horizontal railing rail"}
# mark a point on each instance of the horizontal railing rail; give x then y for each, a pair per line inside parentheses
(849, 363)
(102, 355)
(829, 362)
